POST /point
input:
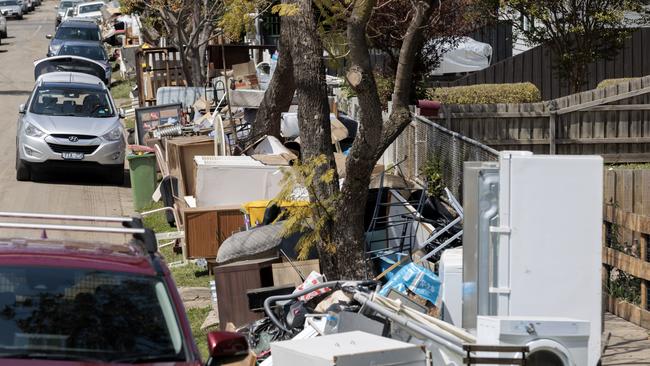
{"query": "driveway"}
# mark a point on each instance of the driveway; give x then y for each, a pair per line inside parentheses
(71, 191)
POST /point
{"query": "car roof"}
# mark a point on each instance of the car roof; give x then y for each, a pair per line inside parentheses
(79, 42)
(66, 77)
(78, 23)
(127, 257)
(90, 3)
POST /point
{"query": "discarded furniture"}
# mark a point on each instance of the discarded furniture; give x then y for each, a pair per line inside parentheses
(180, 155)
(207, 227)
(233, 281)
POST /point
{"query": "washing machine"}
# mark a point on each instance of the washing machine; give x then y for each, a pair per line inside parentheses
(552, 341)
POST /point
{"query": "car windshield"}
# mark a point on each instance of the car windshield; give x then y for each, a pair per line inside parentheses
(81, 314)
(82, 34)
(90, 8)
(74, 102)
(92, 52)
(67, 4)
(9, 3)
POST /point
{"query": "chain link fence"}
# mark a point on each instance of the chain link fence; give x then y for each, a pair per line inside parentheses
(424, 140)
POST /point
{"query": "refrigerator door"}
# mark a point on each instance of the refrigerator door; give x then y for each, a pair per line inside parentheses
(549, 261)
(480, 197)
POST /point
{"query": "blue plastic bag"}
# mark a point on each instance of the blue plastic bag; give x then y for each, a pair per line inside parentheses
(417, 279)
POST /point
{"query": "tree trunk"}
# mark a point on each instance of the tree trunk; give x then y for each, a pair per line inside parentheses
(279, 93)
(349, 233)
(373, 136)
(313, 113)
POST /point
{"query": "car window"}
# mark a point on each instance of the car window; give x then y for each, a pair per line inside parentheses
(79, 313)
(82, 34)
(90, 8)
(67, 4)
(94, 53)
(9, 3)
(74, 102)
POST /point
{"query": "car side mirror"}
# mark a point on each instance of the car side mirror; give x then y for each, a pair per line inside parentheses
(122, 113)
(48, 36)
(226, 344)
(21, 109)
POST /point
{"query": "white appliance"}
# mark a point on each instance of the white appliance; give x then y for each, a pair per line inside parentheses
(348, 349)
(233, 180)
(451, 276)
(551, 341)
(532, 239)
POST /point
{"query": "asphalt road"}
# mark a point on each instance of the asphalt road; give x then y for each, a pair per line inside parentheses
(69, 191)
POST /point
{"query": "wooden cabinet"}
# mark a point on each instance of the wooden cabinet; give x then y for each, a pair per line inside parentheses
(180, 155)
(207, 227)
(233, 280)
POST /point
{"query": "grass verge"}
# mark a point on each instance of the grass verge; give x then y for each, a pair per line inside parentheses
(120, 88)
(189, 275)
(196, 317)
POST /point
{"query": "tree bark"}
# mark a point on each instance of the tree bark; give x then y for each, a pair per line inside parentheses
(313, 113)
(373, 136)
(279, 94)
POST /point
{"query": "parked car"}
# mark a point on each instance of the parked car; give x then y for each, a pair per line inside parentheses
(88, 49)
(70, 120)
(73, 30)
(11, 8)
(78, 303)
(62, 9)
(3, 26)
(24, 6)
(92, 10)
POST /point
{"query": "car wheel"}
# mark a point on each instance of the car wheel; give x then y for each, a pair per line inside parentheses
(115, 175)
(4, 34)
(23, 171)
(20, 17)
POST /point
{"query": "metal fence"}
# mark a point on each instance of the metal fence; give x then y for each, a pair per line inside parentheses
(424, 140)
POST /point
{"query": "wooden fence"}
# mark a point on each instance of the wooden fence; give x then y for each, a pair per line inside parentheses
(536, 66)
(613, 122)
(625, 240)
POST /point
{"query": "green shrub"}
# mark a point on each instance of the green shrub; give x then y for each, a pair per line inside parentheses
(487, 94)
(385, 86)
(609, 82)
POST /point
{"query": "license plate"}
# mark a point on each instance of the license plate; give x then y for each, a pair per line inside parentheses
(72, 155)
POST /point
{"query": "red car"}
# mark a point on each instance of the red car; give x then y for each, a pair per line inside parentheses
(81, 303)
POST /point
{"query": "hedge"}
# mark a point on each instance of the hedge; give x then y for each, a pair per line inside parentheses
(609, 82)
(487, 94)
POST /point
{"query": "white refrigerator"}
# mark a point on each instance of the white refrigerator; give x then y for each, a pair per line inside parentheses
(532, 239)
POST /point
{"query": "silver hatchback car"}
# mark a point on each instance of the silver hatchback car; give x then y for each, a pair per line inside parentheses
(70, 119)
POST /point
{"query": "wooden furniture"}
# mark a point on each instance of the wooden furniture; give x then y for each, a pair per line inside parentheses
(233, 280)
(207, 227)
(180, 156)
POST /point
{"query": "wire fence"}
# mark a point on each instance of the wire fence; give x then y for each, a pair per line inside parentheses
(424, 141)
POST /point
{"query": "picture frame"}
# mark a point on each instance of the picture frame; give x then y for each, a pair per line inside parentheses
(149, 118)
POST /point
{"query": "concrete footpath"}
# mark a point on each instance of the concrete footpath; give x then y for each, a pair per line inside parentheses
(628, 343)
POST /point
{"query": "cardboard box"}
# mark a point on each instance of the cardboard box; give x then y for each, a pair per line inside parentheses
(245, 76)
(286, 274)
(247, 68)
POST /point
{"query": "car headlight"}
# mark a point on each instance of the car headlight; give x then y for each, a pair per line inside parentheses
(114, 135)
(54, 49)
(33, 131)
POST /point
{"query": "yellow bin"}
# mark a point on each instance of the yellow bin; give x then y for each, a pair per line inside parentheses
(255, 209)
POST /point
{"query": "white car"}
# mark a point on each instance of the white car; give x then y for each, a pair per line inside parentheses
(92, 10)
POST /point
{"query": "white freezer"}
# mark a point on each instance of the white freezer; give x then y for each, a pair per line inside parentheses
(234, 180)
